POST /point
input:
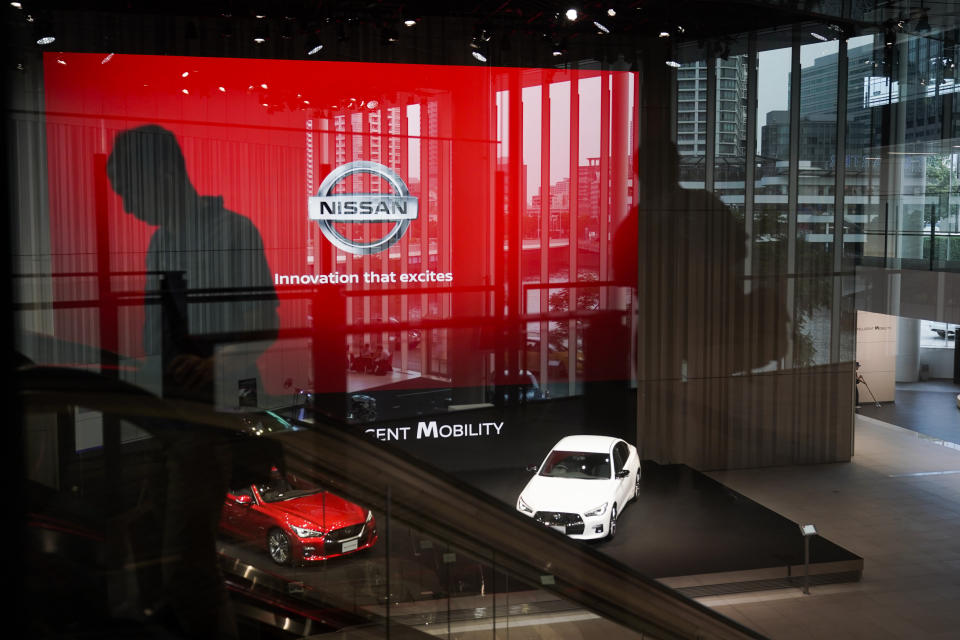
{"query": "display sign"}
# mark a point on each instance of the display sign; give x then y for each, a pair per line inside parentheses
(359, 224)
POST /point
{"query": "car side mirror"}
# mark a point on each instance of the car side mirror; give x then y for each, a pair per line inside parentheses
(623, 473)
(242, 499)
(531, 468)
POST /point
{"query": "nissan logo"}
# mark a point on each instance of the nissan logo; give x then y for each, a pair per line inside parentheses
(399, 207)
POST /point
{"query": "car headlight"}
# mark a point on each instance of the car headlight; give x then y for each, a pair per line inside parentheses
(523, 506)
(304, 532)
(598, 511)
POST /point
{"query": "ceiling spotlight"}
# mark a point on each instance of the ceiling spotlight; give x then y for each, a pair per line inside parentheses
(410, 22)
(571, 14)
(600, 27)
(680, 28)
(389, 36)
(16, 5)
(259, 39)
(611, 12)
(664, 34)
(45, 40)
(479, 56)
(315, 49)
(673, 63)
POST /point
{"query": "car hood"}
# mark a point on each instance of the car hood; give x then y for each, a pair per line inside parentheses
(566, 494)
(324, 510)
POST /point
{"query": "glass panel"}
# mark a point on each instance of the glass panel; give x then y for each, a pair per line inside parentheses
(816, 193)
(770, 210)
(692, 123)
(864, 215)
(731, 143)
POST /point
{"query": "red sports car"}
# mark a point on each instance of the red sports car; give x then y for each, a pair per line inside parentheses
(297, 525)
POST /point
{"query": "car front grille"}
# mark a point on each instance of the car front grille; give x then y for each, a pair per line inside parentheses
(571, 523)
(347, 532)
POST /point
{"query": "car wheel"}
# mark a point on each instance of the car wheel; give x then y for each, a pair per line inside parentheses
(278, 546)
(612, 527)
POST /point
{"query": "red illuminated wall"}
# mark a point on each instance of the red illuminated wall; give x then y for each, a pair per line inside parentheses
(496, 157)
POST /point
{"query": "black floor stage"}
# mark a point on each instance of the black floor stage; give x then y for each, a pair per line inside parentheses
(685, 529)
(686, 524)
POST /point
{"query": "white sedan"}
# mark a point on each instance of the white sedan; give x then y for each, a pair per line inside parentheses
(582, 485)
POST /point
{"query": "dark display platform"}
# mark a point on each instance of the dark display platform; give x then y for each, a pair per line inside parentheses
(700, 537)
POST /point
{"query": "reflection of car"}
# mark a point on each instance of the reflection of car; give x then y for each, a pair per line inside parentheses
(582, 485)
(946, 334)
(297, 525)
(519, 388)
(393, 331)
(413, 336)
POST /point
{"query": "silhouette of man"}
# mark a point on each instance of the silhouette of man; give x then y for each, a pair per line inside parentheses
(217, 313)
(198, 246)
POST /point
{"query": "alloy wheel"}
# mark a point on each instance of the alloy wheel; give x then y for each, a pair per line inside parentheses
(278, 545)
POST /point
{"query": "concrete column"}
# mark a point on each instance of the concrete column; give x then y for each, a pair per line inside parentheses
(908, 350)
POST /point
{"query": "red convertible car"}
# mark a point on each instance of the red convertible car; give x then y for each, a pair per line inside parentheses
(297, 525)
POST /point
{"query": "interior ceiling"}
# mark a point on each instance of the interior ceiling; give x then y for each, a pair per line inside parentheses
(608, 29)
(699, 18)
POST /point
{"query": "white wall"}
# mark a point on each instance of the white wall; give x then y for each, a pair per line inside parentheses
(877, 355)
(939, 360)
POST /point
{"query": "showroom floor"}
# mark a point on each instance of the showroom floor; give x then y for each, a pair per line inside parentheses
(929, 407)
(897, 505)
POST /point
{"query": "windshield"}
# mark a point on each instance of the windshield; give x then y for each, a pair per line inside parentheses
(280, 491)
(577, 464)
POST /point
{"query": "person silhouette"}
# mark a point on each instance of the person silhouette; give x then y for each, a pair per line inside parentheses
(218, 308)
(217, 313)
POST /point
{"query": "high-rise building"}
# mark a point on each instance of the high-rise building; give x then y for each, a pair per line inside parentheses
(731, 107)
